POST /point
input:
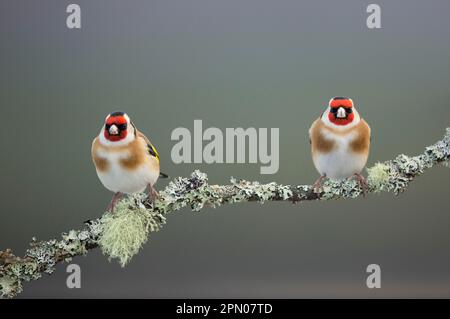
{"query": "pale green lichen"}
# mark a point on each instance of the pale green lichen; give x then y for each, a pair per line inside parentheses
(9, 287)
(43, 256)
(378, 177)
(408, 166)
(285, 192)
(72, 244)
(127, 229)
(347, 188)
(43, 253)
(25, 270)
(185, 191)
(246, 190)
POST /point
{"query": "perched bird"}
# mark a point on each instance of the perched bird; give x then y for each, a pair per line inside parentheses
(125, 160)
(340, 142)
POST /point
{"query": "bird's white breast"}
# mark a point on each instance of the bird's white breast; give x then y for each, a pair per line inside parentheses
(341, 162)
(119, 179)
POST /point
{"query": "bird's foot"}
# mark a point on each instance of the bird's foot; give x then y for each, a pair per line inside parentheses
(116, 197)
(363, 183)
(317, 186)
(152, 194)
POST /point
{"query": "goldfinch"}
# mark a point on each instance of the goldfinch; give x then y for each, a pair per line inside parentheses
(125, 160)
(340, 142)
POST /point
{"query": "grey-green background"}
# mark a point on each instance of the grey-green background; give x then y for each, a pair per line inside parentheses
(248, 63)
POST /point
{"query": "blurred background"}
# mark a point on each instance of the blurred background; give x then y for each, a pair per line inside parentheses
(234, 63)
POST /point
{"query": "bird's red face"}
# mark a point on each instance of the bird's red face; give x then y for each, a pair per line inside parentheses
(116, 127)
(341, 111)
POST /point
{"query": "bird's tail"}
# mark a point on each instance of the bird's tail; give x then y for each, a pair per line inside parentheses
(162, 175)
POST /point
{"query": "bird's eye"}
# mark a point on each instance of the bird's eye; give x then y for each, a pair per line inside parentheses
(122, 127)
(107, 126)
(349, 110)
(333, 110)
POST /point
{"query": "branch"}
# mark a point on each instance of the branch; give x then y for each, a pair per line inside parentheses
(122, 234)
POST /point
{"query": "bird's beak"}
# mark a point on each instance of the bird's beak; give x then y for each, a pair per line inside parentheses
(341, 114)
(113, 130)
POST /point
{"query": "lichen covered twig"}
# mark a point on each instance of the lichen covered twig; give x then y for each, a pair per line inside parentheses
(121, 235)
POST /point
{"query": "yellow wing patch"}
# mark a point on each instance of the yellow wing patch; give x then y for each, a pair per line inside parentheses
(152, 151)
(150, 148)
